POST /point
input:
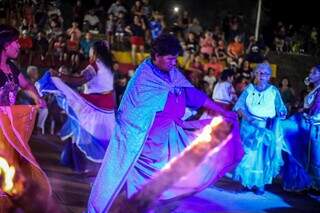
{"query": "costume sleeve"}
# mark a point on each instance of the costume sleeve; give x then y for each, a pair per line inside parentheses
(280, 107)
(89, 72)
(315, 117)
(194, 97)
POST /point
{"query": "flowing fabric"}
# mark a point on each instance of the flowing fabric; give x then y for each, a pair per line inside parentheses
(262, 139)
(148, 133)
(89, 125)
(16, 125)
(302, 138)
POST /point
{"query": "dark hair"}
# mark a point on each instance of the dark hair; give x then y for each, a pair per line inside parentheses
(226, 73)
(7, 35)
(285, 77)
(101, 48)
(165, 44)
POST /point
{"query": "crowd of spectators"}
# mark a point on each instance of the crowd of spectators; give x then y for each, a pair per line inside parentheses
(47, 41)
(296, 40)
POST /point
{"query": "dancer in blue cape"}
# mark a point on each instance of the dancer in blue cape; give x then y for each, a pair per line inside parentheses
(149, 132)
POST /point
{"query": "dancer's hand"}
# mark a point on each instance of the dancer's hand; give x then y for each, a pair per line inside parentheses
(282, 115)
(41, 103)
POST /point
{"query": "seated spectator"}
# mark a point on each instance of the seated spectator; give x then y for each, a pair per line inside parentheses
(74, 29)
(236, 48)
(116, 8)
(41, 45)
(221, 51)
(287, 93)
(215, 65)
(256, 51)
(24, 26)
(232, 64)
(33, 73)
(146, 9)
(190, 47)
(224, 93)
(41, 16)
(73, 50)
(207, 44)
(196, 65)
(59, 49)
(86, 44)
(120, 28)
(245, 71)
(210, 79)
(136, 9)
(53, 10)
(54, 30)
(137, 33)
(28, 12)
(156, 25)
(26, 45)
(91, 22)
(195, 27)
(110, 28)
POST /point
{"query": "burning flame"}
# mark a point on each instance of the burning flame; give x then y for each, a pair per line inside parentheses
(7, 173)
(213, 135)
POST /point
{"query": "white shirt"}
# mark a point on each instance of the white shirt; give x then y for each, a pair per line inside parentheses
(224, 92)
(102, 80)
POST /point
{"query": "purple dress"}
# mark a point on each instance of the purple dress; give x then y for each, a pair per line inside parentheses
(150, 131)
(164, 139)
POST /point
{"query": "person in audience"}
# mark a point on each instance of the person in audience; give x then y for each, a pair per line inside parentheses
(287, 93)
(215, 65)
(224, 93)
(26, 45)
(85, 44)
(74, 29)
(221, 51)
(117, 7)
(236, 48)
(72, 47)
(59, 49)
(210, 79)
(207, 44)
(137, 33)
(245, 71)
(41, 45)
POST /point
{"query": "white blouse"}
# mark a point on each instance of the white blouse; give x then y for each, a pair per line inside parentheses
(102, 81)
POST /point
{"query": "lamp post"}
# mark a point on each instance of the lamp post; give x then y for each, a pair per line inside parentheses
(256, 34)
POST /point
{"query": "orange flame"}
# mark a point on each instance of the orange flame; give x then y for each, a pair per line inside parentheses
(9, 182)
(7, 173)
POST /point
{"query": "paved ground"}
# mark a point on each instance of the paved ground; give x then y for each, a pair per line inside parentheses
(72, 190)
